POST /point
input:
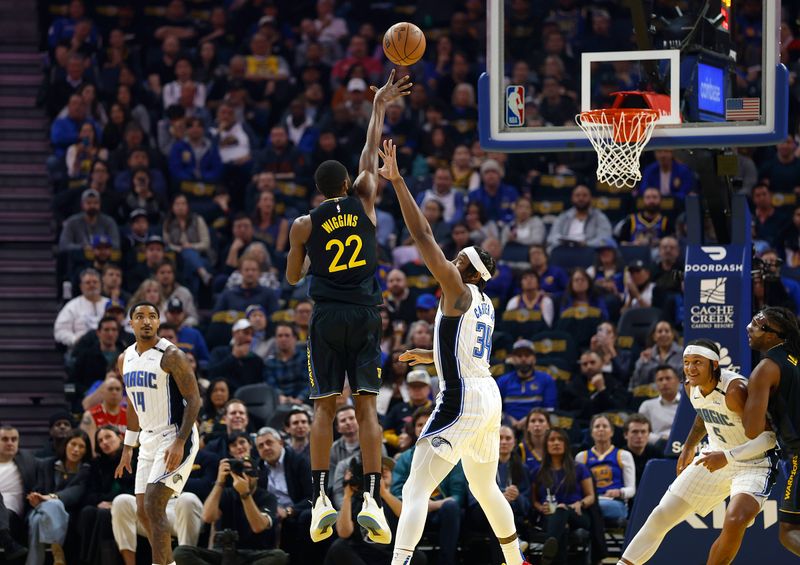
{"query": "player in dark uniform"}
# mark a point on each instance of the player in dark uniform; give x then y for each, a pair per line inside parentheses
(336, 244)
(774, 395)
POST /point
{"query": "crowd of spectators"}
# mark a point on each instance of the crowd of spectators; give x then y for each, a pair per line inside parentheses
(185, 134)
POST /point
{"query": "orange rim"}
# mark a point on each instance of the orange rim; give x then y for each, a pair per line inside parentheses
(629, 125)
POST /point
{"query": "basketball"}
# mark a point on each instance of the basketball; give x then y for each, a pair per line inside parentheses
(404, 43)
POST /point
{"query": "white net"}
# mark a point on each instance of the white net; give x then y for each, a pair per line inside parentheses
(618, 137)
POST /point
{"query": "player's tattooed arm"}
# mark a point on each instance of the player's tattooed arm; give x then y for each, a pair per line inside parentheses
(297, 262)
(697, 433)
(175, 363)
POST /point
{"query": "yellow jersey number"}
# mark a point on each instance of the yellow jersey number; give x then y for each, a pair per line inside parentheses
(354, 262)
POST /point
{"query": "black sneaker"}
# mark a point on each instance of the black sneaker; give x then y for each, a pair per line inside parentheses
(549, 551)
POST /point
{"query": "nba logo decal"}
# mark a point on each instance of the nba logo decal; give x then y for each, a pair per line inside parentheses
(515, 106)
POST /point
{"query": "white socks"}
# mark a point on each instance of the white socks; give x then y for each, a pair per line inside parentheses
(401, 556)
(512, 553)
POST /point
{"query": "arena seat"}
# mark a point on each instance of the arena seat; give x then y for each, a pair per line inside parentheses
(568, 257)
(636, 323)
(261, 402)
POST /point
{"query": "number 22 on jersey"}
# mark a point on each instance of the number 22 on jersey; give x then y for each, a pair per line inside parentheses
(354, 262)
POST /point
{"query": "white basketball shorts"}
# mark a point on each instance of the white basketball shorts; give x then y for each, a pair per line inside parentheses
(703, 490)
(151, 467)
(466, 420)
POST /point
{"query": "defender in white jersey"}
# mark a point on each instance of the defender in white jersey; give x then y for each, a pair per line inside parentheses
(719, 397)
(163, 403)
(465, 425)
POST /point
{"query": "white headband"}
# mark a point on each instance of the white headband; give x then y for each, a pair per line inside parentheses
(473, 257)
(702, 351)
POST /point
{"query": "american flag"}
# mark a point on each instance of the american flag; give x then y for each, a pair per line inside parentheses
(742, 109)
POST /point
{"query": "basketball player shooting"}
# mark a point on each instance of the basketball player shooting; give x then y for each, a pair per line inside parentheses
(163, 403)
(336, 242)
(465, 425)
(719, 397)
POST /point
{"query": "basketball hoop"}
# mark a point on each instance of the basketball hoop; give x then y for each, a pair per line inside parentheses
(619, 136)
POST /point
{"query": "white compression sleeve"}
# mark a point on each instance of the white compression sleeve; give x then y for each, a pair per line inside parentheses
(670, 512)
(483, 484)
(752, 448)
(427, 471)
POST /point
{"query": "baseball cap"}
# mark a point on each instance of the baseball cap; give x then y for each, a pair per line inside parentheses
(637, 265)
(491, 165)
(240, 325)
(59, 415)
(356, 84)
(89, 193)
(426, 301)
(607, 243)
(174, 305)
(255, 308)
(115, 304)
(155, 239)
(266, 20)
(523, 344)
(419, 376)
(101, 239)
(137, 213)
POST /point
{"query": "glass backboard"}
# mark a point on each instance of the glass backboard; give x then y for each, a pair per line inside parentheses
(710, 67)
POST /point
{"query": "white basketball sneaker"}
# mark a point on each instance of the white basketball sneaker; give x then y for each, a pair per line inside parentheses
(371, 517)
(323, 516)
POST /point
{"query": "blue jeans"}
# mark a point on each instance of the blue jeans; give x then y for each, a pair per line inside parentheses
(448, 520)
(47, 524)
(613, 508)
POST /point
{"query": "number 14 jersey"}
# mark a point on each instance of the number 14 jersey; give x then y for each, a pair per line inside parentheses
(152, 391)
(343, 251)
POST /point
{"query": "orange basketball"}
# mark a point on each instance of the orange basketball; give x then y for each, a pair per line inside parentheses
(404, 43)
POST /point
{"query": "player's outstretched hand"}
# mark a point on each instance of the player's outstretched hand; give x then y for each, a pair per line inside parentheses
(389, 170)
(391, 89)
(417, 357)
(124, 462)
(713, 460)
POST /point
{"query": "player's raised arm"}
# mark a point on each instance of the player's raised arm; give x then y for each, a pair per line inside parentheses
(366, 184)
(445, 272)
(754, 416)
(296, 261)
(175, 363)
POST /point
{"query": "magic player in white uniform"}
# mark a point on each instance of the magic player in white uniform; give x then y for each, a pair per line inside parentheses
(163, 403)
(719, 397)
(465, 425)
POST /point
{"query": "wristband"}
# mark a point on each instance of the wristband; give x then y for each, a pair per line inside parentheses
(244, 496)
(728, 455)
(131, 438)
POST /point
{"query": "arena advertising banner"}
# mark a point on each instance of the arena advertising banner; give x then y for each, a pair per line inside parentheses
(690, 540)
(717, 306)
(717, 300)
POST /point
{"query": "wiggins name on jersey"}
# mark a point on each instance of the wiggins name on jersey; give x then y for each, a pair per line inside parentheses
(150, 389)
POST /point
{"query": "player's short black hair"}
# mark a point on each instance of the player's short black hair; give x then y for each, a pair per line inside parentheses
(143, 303)
(488, 262)
(329, 178)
